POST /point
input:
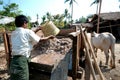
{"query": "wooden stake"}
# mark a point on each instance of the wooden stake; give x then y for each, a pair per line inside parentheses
(93, 54)
(88, 56)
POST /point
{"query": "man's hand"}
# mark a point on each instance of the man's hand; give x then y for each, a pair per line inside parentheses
(51, 37)
(46, 38)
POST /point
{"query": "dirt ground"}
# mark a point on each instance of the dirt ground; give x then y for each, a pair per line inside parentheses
(110, 74)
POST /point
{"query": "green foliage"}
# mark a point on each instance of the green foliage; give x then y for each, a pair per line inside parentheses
(70, 2)
(43, 18)
(1, 2)
(81, 20)
(10, 10)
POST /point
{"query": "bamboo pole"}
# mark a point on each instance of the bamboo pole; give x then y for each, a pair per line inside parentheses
(78, 48)
(88, 56)
(93, 54)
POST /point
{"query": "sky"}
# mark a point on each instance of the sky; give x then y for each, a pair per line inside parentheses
(82, 8)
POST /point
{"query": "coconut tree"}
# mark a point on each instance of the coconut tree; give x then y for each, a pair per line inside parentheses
(49, 16)
(66, 14)
(43, 19)
(71, 4)
(96, 2)
(99, 3)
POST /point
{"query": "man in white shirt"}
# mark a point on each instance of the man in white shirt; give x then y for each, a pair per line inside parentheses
(22, 40)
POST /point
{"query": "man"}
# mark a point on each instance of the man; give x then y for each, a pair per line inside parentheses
(22, 40)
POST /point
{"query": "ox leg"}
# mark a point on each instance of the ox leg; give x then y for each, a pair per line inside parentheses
(112, 61)
(107, 57)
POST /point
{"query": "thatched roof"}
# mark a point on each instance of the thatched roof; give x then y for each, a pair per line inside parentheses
(108, 16)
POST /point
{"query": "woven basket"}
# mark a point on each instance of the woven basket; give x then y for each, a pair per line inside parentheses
(50, 29)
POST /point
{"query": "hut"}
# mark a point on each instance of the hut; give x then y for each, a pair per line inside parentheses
(109, 22)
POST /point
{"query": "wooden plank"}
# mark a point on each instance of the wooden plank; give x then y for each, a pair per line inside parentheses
(48, 59)
(74, 34)
(65, 31)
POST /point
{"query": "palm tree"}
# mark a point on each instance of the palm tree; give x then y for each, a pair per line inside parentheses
(96, 2)
(71, 4)
(1, 3)
(66, 15)
(43, 19)
(49, 17)
(100, 3)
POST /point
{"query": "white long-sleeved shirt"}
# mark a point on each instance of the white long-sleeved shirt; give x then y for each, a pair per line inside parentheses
(22, 41)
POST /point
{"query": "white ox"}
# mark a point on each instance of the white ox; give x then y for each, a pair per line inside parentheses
(105, 42)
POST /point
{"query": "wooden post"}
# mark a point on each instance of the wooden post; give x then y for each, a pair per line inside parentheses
(74, 59)
(75, 53)
(2, 30)
(99, 16)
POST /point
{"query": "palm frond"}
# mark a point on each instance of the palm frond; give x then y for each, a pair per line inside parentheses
(95, 2)
(71, 2)
(66, 1)
(75, 2)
